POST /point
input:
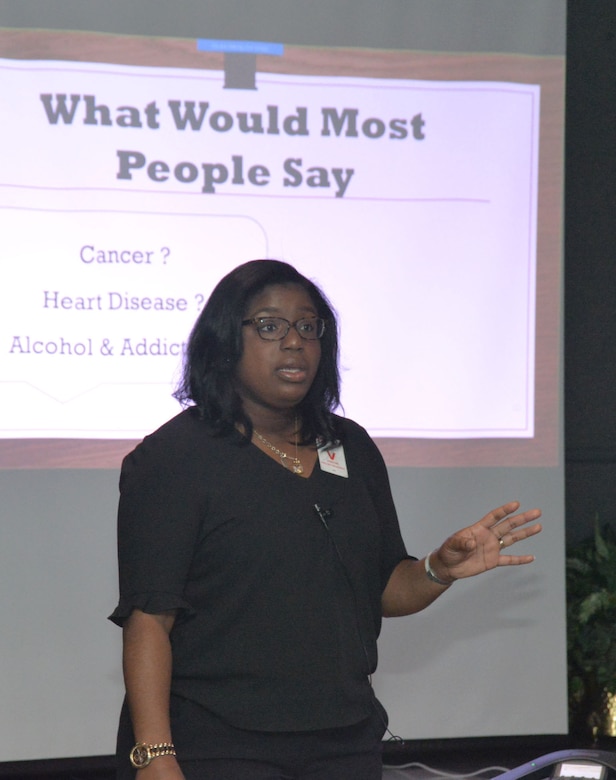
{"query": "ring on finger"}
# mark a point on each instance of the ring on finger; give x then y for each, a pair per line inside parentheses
(501, 542)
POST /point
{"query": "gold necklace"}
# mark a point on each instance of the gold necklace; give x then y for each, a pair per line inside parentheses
(297, 467)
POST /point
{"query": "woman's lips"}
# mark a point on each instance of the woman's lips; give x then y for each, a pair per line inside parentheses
(292, 373)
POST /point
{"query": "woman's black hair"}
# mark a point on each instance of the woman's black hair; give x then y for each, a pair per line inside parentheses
(215, 347)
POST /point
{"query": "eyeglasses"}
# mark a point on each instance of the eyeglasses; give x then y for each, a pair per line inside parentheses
(276, 328)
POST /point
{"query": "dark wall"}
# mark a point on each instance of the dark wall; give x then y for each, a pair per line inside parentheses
(590, 266)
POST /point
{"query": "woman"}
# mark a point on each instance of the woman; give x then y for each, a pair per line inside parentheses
(259, 549)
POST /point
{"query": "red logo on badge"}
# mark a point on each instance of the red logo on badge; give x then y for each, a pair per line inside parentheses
(332, 455)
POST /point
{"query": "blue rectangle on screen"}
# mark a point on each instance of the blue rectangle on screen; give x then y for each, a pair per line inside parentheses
(240, 47)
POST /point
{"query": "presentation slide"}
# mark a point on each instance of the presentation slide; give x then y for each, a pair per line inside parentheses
(128, 191)
(408, 157)
(101, 298)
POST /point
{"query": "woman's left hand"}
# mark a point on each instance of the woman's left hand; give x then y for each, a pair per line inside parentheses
(485, 544)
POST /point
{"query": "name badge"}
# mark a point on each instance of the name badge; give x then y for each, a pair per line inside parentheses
(332, 459)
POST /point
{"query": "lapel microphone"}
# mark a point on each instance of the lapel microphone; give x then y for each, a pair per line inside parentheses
(323, 514)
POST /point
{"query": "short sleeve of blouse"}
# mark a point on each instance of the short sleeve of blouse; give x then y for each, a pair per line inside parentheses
(393, 549)
(158, 524)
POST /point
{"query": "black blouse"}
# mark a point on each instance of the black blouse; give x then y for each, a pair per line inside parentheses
(278, 607)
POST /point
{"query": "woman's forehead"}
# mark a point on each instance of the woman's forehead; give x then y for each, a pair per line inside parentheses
(276, 297)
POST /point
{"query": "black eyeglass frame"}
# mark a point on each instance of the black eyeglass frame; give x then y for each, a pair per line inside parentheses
(318, 321)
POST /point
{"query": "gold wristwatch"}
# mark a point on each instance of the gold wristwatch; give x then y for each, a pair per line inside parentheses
(141, 755)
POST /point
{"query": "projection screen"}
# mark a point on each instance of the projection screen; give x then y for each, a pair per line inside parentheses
(407, 155)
